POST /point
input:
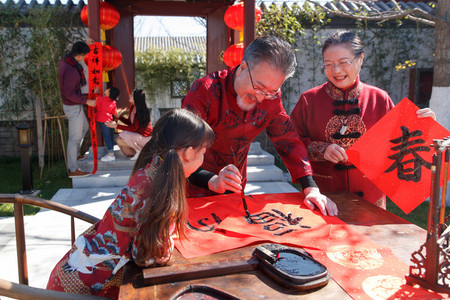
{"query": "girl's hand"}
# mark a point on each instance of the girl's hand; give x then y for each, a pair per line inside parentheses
(111, 124)
(335, 154)
(426, 113)
(229, 178)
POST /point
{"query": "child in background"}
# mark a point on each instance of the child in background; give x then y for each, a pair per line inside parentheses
(141, 222)
(106, 109)
(137, 130)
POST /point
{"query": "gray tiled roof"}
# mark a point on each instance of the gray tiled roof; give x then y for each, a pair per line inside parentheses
(370, 6)
(23, 6)
(188, 43)
(427, 6)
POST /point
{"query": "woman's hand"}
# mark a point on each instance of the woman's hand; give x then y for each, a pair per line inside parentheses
(229, 178)
(426, 113)
(335, 154)
(111, 124)
(314, 197)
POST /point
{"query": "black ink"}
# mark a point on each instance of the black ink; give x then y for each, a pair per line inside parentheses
(203, 224)
(404, 148)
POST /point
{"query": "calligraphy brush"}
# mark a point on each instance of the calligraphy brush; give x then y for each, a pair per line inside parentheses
(242, 190)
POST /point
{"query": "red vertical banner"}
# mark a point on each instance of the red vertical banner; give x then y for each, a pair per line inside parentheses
(95, 66)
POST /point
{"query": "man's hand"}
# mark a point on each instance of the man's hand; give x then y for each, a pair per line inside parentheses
(91, 102)
(89, 41)
(314, 197)
(111, 124)
(229, 178)
(335, 154)
(426, 113)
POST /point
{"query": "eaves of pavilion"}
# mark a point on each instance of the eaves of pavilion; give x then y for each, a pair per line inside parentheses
(218, 35)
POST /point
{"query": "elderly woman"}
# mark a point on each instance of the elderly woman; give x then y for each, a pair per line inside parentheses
(137, 130)
(333, 116)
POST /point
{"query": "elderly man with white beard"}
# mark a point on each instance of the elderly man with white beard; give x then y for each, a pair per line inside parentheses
(239, 103)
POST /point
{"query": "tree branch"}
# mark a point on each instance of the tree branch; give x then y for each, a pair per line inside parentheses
(415, 14)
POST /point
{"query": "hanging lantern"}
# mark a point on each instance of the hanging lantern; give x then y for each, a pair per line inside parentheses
(234, 16)
(233, 55)
(112, 58)
(109, 15)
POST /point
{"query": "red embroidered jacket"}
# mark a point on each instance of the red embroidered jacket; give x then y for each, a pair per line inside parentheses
(214, 99)
(133, 125)
(325, 115)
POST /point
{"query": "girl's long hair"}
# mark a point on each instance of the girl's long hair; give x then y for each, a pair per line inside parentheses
(175, 130)
(142, 112)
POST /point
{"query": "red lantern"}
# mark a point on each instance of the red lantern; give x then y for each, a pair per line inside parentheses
(109, 16)
(233, 55)
(234, 16)
(112, 58)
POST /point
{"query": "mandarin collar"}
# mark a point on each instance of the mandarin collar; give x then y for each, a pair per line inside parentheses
(351, 92)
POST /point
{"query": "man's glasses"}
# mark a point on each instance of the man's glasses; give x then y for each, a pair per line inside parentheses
(270, 96)
(342, 65)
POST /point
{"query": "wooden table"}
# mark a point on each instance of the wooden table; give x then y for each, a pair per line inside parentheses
(377, 224)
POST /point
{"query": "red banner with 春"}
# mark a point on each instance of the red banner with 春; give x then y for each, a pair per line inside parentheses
(395, 154)
(95, 66)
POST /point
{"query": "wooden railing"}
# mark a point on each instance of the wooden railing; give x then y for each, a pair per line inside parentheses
(19, 200)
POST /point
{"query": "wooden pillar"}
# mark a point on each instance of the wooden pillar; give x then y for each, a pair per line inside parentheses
(94, 19)
(249, 22)
(122, 39)
(217, 40)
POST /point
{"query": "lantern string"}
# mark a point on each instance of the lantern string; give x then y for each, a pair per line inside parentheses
(125, 79)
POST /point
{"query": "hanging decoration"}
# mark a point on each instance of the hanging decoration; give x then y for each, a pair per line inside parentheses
(112, 58)
(234, 18)
(109, 15)
(233, 55)
(94, 63)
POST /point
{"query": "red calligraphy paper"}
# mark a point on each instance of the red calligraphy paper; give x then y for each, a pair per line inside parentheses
(221, 223)
(283, 219)
(95, 66)
(395, 154)
(203, 233)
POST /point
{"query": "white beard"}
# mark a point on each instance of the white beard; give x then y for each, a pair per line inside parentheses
(242, 105)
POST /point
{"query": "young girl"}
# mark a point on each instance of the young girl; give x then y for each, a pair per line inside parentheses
(106, 109)
(138, 129)
(141, 221)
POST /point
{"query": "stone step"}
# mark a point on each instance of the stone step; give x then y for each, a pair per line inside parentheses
(116, 173)
(256, 157)
(105, 178)
(274, 187)
(264, 173)
(263, 158)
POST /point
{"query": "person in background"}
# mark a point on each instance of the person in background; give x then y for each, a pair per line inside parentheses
(333, 116)
(141, 222)
(239, 103)
(106, 110)
(137, 129)
(71, 79)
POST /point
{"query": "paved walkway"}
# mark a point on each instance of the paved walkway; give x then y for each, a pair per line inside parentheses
(48, 232)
